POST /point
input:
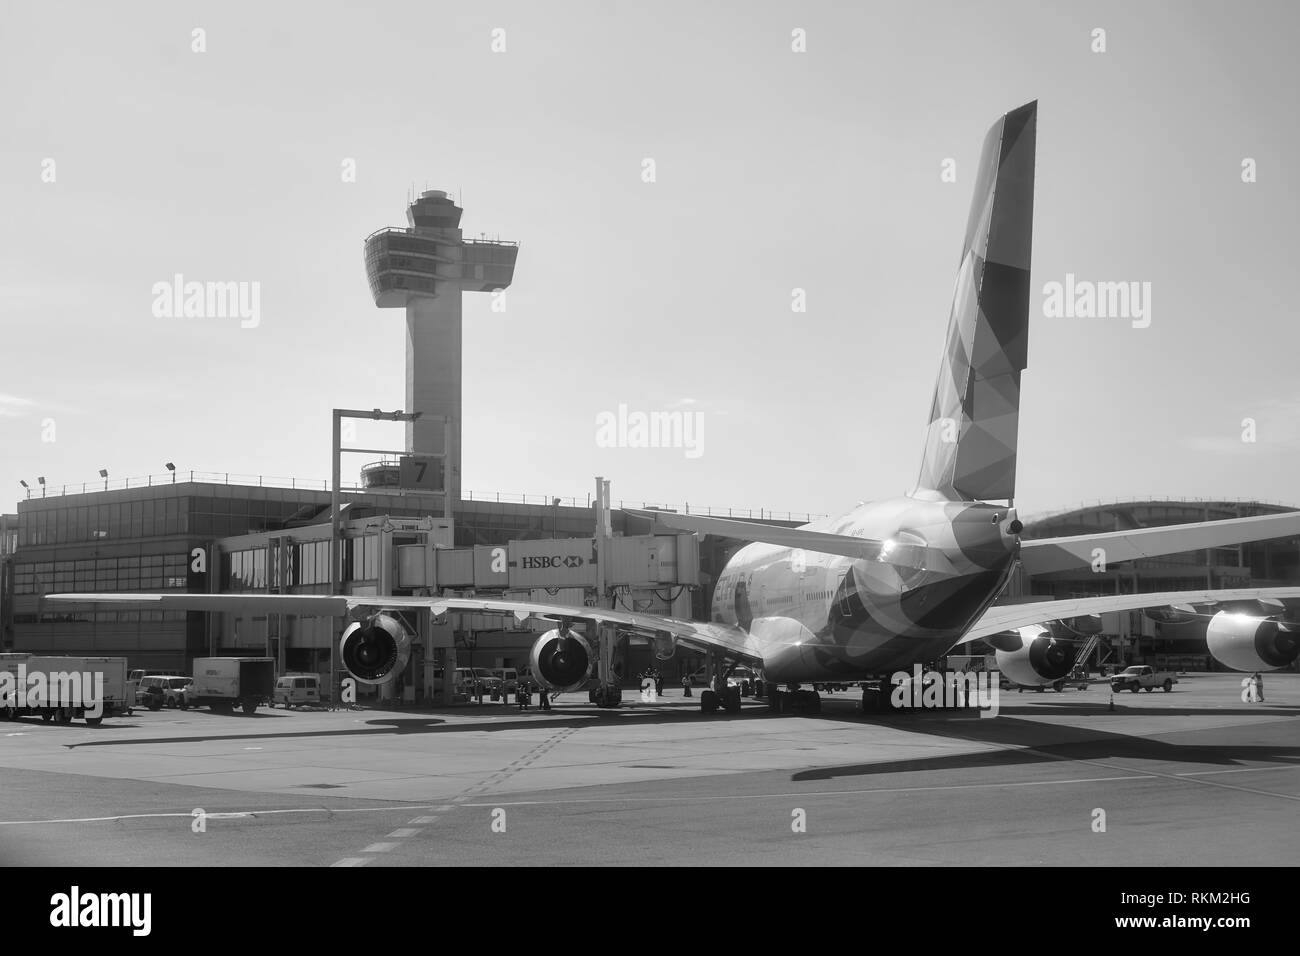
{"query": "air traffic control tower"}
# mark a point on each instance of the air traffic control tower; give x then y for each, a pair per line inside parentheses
(425, 269)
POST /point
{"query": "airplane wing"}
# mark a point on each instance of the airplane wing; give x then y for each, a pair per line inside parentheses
(1038, 556)
(698, 634)
(866, 549)
(1059, 554)
(1008, 617)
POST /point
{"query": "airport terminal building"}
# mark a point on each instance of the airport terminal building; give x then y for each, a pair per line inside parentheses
(218, 536)
(203, 534)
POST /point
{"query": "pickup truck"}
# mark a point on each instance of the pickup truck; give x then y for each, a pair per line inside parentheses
(1142, 677)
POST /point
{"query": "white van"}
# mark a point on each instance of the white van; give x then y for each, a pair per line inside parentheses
(294, 690)
(508, 676)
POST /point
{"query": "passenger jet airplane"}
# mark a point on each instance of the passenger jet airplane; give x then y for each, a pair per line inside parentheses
(892, 583)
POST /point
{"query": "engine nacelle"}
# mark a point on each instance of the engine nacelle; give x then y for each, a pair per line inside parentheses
(1031, 657)
(664, 645)
(374, 651)
(562, 661)
(1247, 643)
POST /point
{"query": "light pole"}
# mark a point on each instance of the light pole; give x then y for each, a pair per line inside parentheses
(172, 468)
(336, 506)
(103, 473)
(26, 486)
(41, 479)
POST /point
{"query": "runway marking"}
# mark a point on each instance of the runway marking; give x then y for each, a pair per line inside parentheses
(352, 861)
(403, 833)
(187, 814)
(1188, 776)
(809, 794)
(483, 785)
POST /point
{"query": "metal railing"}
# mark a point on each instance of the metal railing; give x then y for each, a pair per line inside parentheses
(407, 231)
(50, 490)
(688, 508)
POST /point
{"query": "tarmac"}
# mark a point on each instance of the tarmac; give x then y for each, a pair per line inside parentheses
(1193, 777)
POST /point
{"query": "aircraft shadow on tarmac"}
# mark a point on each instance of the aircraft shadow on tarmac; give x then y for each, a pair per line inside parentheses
(425, 724)
(962, 726)
(1025, 742)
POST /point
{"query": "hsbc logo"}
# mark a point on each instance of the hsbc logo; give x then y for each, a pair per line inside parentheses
(542, 562)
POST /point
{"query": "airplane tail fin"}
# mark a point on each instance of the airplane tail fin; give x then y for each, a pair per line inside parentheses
(970, 443)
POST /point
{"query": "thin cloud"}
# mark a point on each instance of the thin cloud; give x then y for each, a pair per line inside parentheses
(11, 406)
(1272, 424)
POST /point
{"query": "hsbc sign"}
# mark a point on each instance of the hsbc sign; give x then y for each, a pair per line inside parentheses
(556, 562)
(533, 563)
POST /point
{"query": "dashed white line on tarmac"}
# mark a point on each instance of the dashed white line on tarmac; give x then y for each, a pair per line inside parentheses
(187, 814)
(379, 848)
(352, 861)
(403, 833)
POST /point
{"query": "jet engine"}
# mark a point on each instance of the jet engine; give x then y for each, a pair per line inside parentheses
(1247, 643)
(563, 660)
(376, 649)
(664, 645)
(1032, 657)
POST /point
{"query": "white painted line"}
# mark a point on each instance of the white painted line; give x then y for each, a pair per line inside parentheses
(352, 861)
(403, 833)
(444, 808)
(379, 848)
(189, 815)
(418, 820)
(808, 794)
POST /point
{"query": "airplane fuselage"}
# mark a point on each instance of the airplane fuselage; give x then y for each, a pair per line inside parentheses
(824, 617)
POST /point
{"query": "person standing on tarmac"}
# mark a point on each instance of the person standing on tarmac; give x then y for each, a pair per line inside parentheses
(1259, 687)
(543, 697)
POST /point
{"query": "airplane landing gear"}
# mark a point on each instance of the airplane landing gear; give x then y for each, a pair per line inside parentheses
(876, 696)
(794, 701)
(728, 700)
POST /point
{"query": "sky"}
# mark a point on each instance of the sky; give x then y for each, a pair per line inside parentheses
(795, 146)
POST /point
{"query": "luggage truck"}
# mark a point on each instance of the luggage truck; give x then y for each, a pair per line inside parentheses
(222, 683)
(64, 688)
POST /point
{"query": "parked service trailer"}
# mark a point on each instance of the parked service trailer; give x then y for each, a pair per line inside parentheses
(64, 688)
(223, 683)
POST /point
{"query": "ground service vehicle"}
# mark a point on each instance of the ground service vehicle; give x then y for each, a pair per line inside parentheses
(64, 688)
(176, 691)
(223, 683)
(1143, 677)
(294, 690)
